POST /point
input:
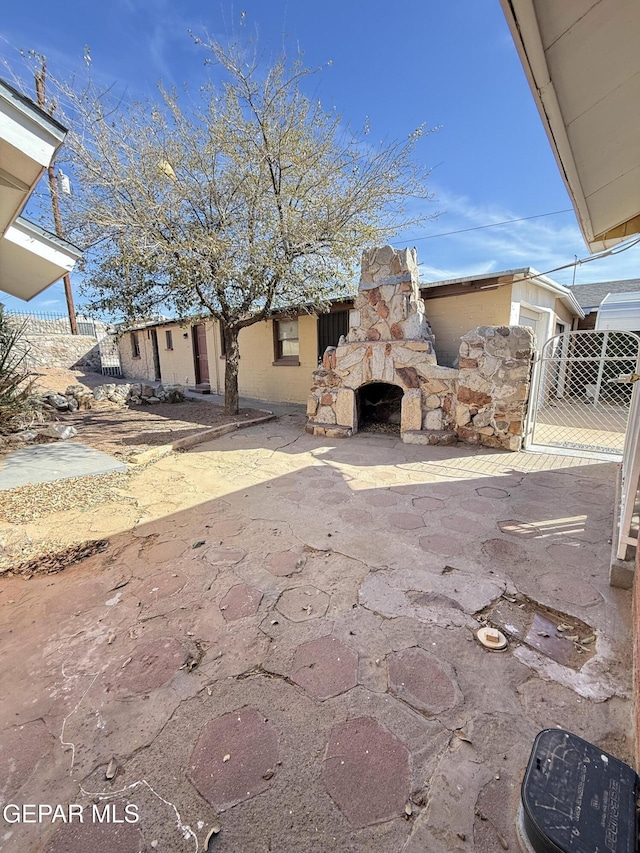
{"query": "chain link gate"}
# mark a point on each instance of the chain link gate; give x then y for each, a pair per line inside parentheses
(581, 393)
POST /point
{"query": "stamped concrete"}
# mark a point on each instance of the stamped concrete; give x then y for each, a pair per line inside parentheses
(366, 772)
(234, 758)
(285, 645)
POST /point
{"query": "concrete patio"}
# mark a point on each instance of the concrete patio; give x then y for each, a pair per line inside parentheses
(280, 640)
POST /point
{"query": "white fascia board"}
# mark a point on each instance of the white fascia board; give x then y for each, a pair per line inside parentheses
(29, 236)
(28, 128)
(563, 293)
(31, 260)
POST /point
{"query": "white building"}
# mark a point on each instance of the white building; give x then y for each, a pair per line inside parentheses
(31, 258)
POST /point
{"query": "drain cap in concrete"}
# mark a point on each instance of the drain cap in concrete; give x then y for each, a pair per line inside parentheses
(491, 638)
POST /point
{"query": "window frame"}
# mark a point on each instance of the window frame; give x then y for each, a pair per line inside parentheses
(280, 360)
(135, 345)
(168, 339)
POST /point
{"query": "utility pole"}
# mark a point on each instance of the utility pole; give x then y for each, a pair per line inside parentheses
(40, 78)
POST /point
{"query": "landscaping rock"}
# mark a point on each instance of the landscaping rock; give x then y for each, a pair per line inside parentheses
(57, 401)
(59, 431)
(26, 435)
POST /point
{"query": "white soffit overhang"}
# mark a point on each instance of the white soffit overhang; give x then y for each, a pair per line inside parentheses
(29, 138)
(582, 60)
(31, 259)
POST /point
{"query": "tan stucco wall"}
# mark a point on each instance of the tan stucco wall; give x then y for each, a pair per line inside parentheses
(176, 365)
(261, 379)
(453, 316)
(258, 376)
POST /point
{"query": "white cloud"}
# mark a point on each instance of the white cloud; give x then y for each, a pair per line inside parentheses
(544, 243)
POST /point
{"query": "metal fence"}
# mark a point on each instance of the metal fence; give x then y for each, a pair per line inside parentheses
(49, 323)
(582, 391)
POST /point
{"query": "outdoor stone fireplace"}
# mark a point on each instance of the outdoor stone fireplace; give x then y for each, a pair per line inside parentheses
(386, 370)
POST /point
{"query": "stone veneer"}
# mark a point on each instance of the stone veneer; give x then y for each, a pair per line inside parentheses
(493, 385)
(391, 342)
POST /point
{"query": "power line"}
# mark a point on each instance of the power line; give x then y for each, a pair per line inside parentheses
(489, 225)
(606, 253)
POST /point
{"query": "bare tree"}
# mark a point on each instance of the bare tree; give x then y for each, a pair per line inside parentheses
(247, 200)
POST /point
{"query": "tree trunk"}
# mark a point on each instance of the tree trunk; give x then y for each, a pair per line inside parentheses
(232, 352)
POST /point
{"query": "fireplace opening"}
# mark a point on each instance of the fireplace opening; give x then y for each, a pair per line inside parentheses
(378, 406)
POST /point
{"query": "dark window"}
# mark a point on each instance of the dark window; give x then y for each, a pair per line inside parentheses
(135, 345)
(169, 337)
(330, 327)
(287, 348)
(223, 344)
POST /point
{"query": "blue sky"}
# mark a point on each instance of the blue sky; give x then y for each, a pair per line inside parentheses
(448, 65)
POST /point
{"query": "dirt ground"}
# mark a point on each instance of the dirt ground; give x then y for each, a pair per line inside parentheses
(123, 431)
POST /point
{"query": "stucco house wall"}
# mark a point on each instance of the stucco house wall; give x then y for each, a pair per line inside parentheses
(451, 317)
(259, 377)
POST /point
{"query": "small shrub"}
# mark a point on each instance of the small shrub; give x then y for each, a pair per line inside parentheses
(19, 408)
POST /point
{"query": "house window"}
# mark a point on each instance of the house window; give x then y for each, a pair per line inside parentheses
(135, 345)
(286, 344)
(169, 336)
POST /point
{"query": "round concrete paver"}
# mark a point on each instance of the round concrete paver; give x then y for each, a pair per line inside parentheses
(302, 603)
(356, 516)
(161, 552)
(325, 667)
(503, 551)
(427, 504)
(232, 756)
(284, 563)
(222, 529)
(107, 837)
(223, 556)
(240, 601)
(366, 772)
(491, 492)
(405, 520)
(445, 546)
(153, 663)
(423, 681)
(334, 498)
(570, 588)
(159, 586)
(380, 498)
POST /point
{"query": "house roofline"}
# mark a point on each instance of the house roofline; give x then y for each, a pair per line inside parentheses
(29, 108)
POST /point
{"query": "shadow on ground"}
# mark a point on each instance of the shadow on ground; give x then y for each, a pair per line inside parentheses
(295, 658)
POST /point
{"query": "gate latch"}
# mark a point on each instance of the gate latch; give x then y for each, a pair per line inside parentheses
(626, 378)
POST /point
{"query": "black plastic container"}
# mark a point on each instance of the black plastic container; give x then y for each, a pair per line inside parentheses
(577, 798)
